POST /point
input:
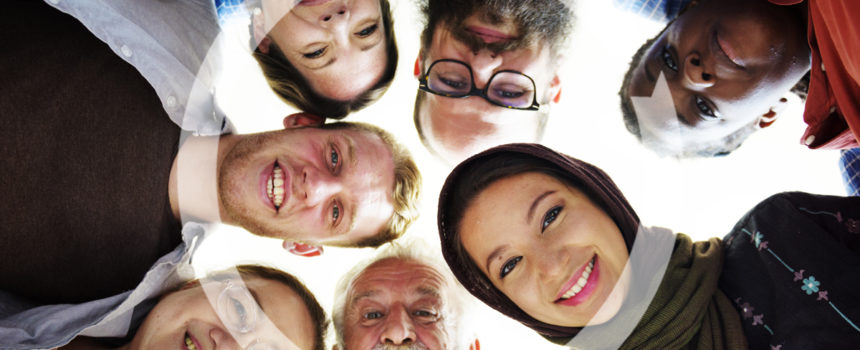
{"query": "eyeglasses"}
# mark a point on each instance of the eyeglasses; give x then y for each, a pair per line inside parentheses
(240, 313)
(507, 88)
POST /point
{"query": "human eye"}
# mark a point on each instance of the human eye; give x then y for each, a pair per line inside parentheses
(315, 54)
(508, 92)
(367, 31)
(239, 313)
(704, 109)
(453, 82)
(333, 158)
(335, 213)
(550, 217)
(668, 60)
(509, 266)
(372, 315)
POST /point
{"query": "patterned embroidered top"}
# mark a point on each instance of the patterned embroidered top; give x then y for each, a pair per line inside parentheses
(792, 267)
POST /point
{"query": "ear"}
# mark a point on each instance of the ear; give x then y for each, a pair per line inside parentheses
(298, 120)
(768, 118)
(555, 89)
(475, 345)
(301, 249)
(418, 68)
(260, 37)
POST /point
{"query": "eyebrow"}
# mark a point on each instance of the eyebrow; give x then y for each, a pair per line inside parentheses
(492, 256)
(364, 295)
(368, 47)
(352, 205)
(648, 75)
(534, 205)
(429, 291)
(256, 298)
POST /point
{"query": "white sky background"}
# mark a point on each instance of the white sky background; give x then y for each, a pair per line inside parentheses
(702, 198)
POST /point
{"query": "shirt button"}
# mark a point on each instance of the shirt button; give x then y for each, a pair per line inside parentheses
(126, 51)
(832, 109)
(809, 140)
(822, 67)
(171, 101)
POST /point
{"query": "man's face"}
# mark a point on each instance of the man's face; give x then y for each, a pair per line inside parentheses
(187, 316)
(726, 64)
(458, 127)
(308, 184)
(397, 302)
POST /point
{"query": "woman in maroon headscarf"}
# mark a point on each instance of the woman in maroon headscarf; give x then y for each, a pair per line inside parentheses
(546, 239)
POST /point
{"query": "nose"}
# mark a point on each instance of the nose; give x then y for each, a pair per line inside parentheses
(318, 186)
(551, 263)
(398, 328)
(335, 13)
(696, 74)
(483, 64)
(222, 340)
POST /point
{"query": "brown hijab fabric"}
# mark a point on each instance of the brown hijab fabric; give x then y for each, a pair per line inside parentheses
(591, 180)
(687, 311)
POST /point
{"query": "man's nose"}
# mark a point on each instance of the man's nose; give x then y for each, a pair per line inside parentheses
(317, 186)
(483, 63)
(398, 328)
(696, 74)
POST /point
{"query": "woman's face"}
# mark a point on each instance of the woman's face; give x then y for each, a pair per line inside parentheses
(186, 320)
(547, 247)
(337, 45)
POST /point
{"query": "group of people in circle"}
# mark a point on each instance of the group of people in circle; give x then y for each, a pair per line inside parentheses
(110, 99)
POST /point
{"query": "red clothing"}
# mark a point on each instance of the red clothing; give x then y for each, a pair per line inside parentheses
(833, 105)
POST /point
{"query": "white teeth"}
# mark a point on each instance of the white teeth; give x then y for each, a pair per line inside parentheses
(275, 187)
(189, 344)
(580, 283)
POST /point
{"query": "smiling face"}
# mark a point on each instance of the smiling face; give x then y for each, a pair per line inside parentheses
(397, 302)
(312, 185)
(726, 64)
(459, 127)
(187, 314)
(337, 45)
(547, 247)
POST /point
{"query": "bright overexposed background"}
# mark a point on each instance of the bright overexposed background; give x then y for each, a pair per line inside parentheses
(703, 198)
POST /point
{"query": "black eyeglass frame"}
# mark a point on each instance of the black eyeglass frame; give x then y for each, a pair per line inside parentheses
(423, 86)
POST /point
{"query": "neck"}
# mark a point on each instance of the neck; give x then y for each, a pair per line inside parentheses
(193, 184)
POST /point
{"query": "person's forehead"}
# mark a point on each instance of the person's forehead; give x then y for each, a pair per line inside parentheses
(395, 276)
(285, 309)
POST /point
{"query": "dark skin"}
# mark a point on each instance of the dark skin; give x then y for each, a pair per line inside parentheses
(727, 64)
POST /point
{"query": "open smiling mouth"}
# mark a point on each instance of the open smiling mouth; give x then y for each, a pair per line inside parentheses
(189, 343)
(580, 284)
(275, 186)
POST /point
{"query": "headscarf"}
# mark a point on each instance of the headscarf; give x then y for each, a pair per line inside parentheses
(591, 180)
(684, 310)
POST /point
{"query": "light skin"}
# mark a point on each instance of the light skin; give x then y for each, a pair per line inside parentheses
(727, 64)
(188, 311)
(329, 40)
(397, 302)
(459, 127)
(338, 183)
(533, 235)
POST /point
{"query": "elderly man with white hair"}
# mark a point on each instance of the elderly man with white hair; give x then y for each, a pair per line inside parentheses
(403, 298)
